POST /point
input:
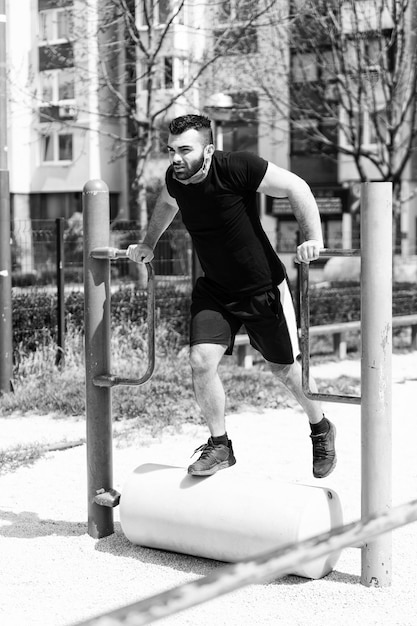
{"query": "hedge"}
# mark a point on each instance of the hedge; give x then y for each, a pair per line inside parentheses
(34, 314)
(342, 304)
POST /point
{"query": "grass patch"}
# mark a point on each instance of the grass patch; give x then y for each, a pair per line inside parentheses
(166, 400)
(18, 456)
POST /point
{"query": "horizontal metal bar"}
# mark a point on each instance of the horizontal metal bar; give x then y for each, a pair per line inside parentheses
(305, 331)
(347, 252)
(108, 253)
(259, 569)
(112, 380)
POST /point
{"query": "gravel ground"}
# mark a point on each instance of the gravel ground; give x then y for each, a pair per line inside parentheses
(53, 574)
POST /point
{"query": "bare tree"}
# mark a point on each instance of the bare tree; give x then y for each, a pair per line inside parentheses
(353, 84)
(155, 57)
(131, 65)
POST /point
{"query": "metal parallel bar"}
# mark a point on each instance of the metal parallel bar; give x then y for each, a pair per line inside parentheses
(376, 365)
(112, 380)
(348, 252)
(96, 220)
(305, 332)
(107, 252)
(254, 570)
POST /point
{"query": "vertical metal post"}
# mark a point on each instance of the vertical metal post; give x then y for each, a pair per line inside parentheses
(60, 282)
(376, 428)
(96, 219)
(6, 342)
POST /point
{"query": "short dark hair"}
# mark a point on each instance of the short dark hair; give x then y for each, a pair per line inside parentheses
(187, 122)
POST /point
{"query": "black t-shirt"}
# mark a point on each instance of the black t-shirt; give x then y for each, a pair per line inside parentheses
(221, 215)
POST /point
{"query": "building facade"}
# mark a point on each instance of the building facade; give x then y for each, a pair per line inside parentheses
(93, 102)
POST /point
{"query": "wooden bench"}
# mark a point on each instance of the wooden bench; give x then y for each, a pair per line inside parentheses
(338, 330)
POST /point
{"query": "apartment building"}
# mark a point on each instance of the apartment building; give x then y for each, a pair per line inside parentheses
(58, 138)
(232, 60)
(278, 91)
(352, 113)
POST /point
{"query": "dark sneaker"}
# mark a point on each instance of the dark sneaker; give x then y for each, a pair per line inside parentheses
(324, 453)
(213, 458)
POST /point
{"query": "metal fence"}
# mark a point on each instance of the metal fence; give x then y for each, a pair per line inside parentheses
(47, 273)
(47, 269)
(39, 246)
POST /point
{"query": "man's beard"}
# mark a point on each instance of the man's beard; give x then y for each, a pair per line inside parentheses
(186, 175)
(199, 172)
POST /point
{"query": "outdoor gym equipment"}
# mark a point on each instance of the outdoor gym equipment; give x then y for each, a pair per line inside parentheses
(161, 506)
(376, 410)
(376, 384)
(99, 379)
(229, 516)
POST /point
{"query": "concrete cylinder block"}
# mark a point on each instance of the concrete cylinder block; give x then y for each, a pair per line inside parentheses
(229, 516)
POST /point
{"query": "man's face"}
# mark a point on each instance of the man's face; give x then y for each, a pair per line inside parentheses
(186, 153)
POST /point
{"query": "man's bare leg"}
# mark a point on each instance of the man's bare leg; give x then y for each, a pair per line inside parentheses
(291, 377)
(208, 388)
(209, 393)
(323, 431)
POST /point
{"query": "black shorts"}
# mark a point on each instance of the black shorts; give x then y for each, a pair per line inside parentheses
(268, 318)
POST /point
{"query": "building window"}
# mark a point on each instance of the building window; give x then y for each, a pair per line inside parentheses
(168, 66)
(163, 11)
(377, 124)
(236, 10)
(57, 85)
(163, 73)
(303, 133)
(181, 73)
(368, 128)
(304, 68)
(238, 136)
(236, 40)
(159, 141)
(55, 25)
(237, 33)
(157, 12)
(164, 77)
(57, 147)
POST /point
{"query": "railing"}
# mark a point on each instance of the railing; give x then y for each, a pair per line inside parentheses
(260, 569)
(305, 334)
(111, 380)
(99, 380)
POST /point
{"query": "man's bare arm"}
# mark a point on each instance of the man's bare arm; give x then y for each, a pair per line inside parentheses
(165, 210)
(279, 182)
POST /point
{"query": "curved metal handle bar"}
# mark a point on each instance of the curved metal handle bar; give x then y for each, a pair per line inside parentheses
(305, 334)
(111, 380)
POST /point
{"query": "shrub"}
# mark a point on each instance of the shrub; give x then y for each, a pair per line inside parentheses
(35, 319)
(24, 279)
(343, 303)
(334, 304)
(34, 315)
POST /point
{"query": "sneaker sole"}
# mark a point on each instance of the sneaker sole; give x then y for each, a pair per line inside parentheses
(213, 470)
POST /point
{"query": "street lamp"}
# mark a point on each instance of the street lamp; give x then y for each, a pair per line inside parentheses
(219, 108)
